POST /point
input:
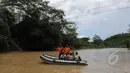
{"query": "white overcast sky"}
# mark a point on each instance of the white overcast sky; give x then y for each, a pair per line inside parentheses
(102, 17)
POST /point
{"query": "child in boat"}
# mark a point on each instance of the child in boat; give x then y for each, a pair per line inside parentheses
(71, 56)
(77, 57)
(67, 56)
(62, 56)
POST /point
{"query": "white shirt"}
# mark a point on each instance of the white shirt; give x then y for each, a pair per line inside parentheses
(76, 57)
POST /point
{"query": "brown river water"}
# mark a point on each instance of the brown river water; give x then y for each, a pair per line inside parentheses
(110, 60)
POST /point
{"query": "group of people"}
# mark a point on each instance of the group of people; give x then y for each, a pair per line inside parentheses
(66, 54)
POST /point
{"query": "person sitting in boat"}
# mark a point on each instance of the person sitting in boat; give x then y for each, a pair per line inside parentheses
(67, 56)
(60, 50)
(62, 56)
(71, 56)
(77, 57)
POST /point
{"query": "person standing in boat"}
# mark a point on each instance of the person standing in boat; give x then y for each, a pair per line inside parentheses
(66, 50)
(60, 50)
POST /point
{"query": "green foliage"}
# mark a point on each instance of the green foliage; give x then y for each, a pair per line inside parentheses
(84, 41)
(97, 40)
(34, 25)
(119, 40)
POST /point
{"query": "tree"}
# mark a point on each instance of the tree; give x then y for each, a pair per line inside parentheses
(6, 22)
(118, 40)
(37, 26)
(97, 40)
(84, 41)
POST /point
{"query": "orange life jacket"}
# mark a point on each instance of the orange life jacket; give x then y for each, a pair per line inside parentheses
(66, 50)
(59, 49)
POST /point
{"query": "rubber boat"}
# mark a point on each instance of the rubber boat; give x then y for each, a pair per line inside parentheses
(54, 60)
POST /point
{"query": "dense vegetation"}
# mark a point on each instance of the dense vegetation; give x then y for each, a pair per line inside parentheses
(33, 25)
(119, 40)
(85, 43)
(116, 41)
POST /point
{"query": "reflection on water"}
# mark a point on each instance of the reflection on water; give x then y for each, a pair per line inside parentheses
(99, 61)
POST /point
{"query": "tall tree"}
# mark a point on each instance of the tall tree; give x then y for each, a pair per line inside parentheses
(6, 20)
(97, 40)
(37, 26)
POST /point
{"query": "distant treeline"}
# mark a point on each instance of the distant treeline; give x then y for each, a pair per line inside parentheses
(115, 41)
(118, 41)
(33, 25)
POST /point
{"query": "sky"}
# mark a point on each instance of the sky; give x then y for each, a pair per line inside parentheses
(102, 17)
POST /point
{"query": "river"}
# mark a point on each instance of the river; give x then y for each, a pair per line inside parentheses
(107, 60)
